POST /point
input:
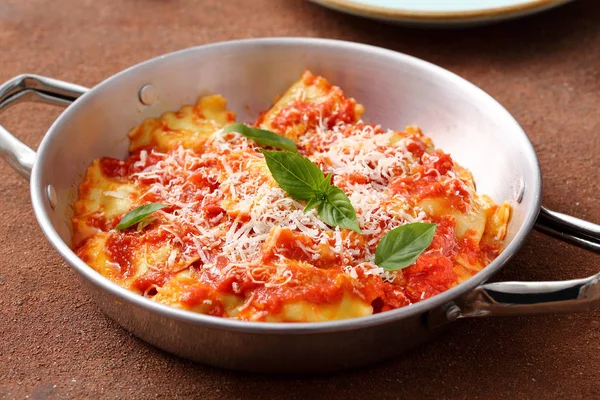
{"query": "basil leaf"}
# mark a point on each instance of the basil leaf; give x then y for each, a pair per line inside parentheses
(137, 215)
(263, 137)
(312, 203)
(326, 184)
(296, 174)
(303, 180)
(401, 246)
(337, 210)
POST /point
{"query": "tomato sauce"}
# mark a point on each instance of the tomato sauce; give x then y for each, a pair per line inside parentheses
(99, 221)
(431, 181)
(151, 279)
(113, 168)
(312, 113)
(289, 264)
(196, 295)
(120, 248)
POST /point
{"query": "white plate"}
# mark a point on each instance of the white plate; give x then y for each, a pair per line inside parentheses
(441, 12)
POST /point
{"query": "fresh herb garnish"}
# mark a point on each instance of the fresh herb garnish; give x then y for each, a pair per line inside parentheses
(337, 210)
(401, 246)
(297, 175)
(263, 137)
(138, 214)
(303, 180)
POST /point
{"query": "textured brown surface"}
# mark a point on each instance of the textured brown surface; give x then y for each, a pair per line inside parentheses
(55, 343)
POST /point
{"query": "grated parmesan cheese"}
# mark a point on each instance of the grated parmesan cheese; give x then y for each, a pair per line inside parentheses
(253, 205)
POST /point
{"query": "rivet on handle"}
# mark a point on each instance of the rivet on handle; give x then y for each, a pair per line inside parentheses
(453, 312)
(148, 95)
(518, 190)
(51, 194)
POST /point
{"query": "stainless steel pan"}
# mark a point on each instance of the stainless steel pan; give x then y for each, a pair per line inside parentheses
(396, 90)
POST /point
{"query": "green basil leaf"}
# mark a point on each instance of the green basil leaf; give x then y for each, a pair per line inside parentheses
(303, 180)
(312, 203)
(401, 246)
(296, 174)
(326, 184)
(337, 210)
(263, 137)
(137, 215)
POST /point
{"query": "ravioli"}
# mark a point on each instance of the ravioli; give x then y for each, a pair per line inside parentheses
(231, 243)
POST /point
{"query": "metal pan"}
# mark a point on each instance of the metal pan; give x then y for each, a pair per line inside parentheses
(396, 90)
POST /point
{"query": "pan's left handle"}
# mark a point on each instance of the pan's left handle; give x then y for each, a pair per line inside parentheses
(30, 88)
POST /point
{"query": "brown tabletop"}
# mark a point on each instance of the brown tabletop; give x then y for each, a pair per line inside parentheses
(56, 343)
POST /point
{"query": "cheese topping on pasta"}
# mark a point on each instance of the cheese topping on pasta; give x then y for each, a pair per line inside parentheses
(231, 243)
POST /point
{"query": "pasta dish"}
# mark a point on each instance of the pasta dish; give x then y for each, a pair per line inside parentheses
(306, 214)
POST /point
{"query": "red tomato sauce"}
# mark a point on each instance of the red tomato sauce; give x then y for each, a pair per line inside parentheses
(431, 181)
(311, 113)
(120, 248)
(431, 274)
(204, 295)
(99, 221)
(150, 279)
(289, 266)
(113, 168)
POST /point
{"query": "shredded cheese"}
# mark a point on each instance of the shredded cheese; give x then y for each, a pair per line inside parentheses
(361, 158)
(231, 241)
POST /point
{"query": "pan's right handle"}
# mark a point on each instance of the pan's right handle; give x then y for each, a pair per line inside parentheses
(30, 88)
(569, 229)
(533, 298)
(530, 298)
(509, 299)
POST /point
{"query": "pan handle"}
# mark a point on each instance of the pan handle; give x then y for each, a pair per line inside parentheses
(534, 298)
(30, 88)
(528, 298)
(569, 229)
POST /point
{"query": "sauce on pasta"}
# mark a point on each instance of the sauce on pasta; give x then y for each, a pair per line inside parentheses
(230, 243)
